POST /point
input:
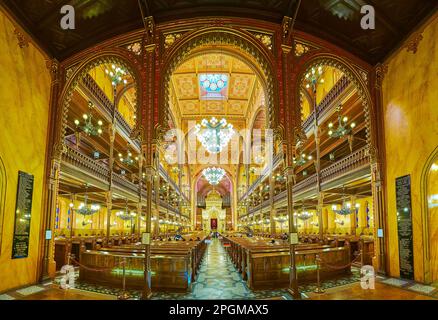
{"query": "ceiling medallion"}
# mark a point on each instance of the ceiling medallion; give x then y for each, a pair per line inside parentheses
(213, 175)
(214, 135)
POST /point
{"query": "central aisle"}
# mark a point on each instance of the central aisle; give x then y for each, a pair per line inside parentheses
(219, 279)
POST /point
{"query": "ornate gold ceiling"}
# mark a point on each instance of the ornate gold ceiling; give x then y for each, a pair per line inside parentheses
(186, 90)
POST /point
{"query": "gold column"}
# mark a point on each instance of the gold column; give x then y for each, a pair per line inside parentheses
(140, 196)
(293, 283)
(377, 181)
(149, 170)
(272, 204)
(112, 133)
(49, 264)
(109, 207)
(353, 216)
(320, 219)
(47, 267)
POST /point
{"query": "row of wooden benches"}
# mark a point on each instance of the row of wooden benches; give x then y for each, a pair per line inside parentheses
(174, 265)
(266, 265)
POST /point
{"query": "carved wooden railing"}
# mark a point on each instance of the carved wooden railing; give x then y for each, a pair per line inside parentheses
(124, 184)
(327, 102)
(169, 180)
(305, 184)
(280, 196)
(266, 172)
(77, 159)
(167, 206)
(355, 160)
(105, 104)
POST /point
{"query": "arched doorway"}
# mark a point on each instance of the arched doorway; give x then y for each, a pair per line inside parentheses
(430, 218)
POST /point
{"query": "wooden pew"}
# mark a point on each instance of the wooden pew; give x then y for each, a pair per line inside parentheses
(174, 265)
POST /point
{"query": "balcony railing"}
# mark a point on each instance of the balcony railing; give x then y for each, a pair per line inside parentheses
(327, 102)
(167, 206)
(169, 180)
(84, 163)
(106, 105)
(266, 172)
(124, 184)
(305, 184)
(357, 160)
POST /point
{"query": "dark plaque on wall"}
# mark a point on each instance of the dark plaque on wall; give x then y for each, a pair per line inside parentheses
(23, 212)
(404, 225)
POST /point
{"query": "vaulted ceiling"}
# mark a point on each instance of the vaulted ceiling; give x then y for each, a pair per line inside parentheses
(231, 102)
(337, 21)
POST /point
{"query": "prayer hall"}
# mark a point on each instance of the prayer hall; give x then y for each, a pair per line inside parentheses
(225, 150)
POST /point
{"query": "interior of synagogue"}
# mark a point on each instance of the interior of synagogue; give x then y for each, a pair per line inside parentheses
(239, 150)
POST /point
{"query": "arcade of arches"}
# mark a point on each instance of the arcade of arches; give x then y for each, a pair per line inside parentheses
(238, 139)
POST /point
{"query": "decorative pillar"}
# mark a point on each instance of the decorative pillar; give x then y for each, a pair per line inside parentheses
(377, 168)
(320, 218)
(140, 193)
(287, 108)
(272, 203)
(148, 151)
(109, 207)
(353, 216)
(47, 267)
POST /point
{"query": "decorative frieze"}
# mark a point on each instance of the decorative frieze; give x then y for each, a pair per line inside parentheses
(23, 41)
(69, 72)
(413, 42)
(301, 49)
(170, 39)
(134, 48)
(265, 38)
(381, 70)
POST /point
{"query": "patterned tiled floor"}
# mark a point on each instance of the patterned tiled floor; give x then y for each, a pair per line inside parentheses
(219, 279)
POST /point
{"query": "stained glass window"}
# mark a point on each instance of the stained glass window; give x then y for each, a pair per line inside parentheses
(213, 86)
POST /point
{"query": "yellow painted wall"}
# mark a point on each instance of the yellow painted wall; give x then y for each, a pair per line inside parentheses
(410, 98)
(103, 80)
(118, 226)
(24, 106)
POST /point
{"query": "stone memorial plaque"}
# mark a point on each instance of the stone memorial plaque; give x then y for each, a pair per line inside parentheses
(23, 212)
(404, 225)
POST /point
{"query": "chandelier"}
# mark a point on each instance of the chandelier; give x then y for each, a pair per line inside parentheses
(214, 135)
(128, 159)
(126, 215)
(88, 126)
(314, 76)
(303, 215)
(86, 210)
(214, 175)
(346, 208)
(116, 74)
(343, 128)
(281, 219)
(301, 160)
